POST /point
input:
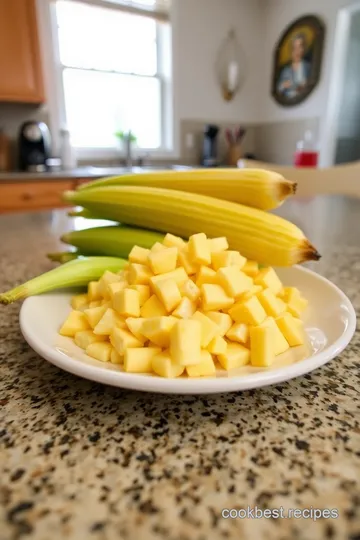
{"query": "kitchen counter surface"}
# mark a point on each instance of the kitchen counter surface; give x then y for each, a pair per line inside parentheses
(85, 461)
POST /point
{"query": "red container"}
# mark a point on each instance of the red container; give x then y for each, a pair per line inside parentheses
(306, 158)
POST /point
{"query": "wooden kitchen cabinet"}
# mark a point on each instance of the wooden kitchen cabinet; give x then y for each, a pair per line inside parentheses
(20, 64)
(30, 196)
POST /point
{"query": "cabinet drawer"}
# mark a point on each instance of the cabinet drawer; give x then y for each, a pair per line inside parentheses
(29, 196)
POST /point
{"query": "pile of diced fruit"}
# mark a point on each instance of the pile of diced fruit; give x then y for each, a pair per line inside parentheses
(185, 307)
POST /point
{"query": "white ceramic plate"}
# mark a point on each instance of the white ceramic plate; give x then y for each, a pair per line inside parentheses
(330, 323)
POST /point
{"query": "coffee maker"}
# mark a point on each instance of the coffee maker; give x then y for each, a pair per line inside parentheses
(210, 158)
(34, 147)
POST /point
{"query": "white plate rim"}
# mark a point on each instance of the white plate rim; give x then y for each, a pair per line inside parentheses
(161, 385)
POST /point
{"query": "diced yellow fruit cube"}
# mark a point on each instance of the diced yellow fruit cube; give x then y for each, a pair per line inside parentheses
(185, 260)
(223, 321)
(140, 360)
(94, 315)
(100, 350)
(273, 306)
(144, 292)
(75, 322)
(248, 312)
(94, 291)
(158, 329)
(214, 297)
(250, 268)
(135, 325)
(199, 249)
(157, 247)
(185, 342)
(127, 303)
(106, 302)
(206, 275)
(139, 274)
(79, 301)
(152, 308)
(268, 278)
(185, 309)
(255, 289)
(139, 255)
(217, 345)
(238, 332)
(236, 356)
(209, 329)
(279, 342)
(122, 339)
(205, 368)
(290, 329)
(116, 287)
(218, 244)
(94, 303)
(262, 346)
(168, 293)
(84, 338)
(227, 258)
(162, 364)
(163, 261)
(108, 322)
(289, 293)
(173, 241)
(190, 290)
(296, 306)
(179, 276)
(234, 281)
(106, 279)
(115, 357)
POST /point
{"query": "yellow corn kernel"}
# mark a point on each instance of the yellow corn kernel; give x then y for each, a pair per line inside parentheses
(227, 258)
(199, 249)
(75, 322)
(157, 247)
(168, 293)
(236, 356)
(296, 306)
(100, 350)
(84, 338)
(222, 320)
(173, 241)
(290, 329)
(185, 260)
(179, 276)
(127, 303)
(135, 325)
(273, 305)
(248, 312)
(206, 275)
(139, 255)
(162, 364)
(79, 301)
(122, 339)
(209, 329)
(190, 290)
(108, 322)
(238, 332)
(158, 329)
(152, 308)
(94, 315)
(218, 244)
(139, 274)
(279, 342)
(205, 368)
(139, 360)
(163, 261)
(262, 346)
(255, 289)
(106, 279)
(94, 291)
(268, 278)
(116, 287)
(185, 309)
(214, 297)
(115, 357)
(217, 345)
(185, 339)
(250, 268)
(234, 281)
(144, 292)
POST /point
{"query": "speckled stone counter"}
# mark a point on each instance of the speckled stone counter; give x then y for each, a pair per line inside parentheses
(85, 461)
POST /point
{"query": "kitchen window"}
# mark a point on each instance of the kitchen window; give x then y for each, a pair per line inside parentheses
(114, 72)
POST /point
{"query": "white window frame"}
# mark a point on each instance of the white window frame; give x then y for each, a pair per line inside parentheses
(52, 68)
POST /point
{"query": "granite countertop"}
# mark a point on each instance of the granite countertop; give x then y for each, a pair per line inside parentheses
(85, 461)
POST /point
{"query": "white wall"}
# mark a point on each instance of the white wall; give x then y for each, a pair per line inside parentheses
(199, 28)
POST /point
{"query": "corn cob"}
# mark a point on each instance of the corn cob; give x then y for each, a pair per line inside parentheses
(259, 235)
(258, 188)
(115, 241)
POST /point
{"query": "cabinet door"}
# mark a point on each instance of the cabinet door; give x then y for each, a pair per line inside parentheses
(20, 65)
(28, 196)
